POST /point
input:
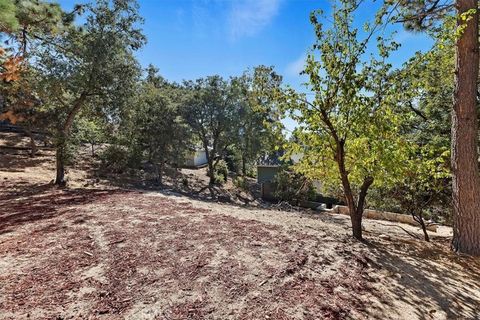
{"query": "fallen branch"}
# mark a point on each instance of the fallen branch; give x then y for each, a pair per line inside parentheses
(117, 241)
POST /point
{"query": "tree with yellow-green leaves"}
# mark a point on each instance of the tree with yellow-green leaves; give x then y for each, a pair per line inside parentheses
(349, 132)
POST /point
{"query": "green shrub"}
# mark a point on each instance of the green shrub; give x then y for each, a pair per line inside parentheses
(241, 183)
(221, 172)
(118, 158)
(292, 187)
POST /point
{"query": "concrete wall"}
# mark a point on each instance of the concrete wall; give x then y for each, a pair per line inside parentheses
(196, 159)
(200, 158)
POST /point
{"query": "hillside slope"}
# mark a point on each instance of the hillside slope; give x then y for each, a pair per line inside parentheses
(103, 252)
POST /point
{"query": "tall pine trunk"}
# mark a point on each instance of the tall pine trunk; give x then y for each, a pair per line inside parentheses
(465, 175)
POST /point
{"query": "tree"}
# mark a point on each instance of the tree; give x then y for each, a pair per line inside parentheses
(465, 170)
(423, 88)
(8, 20)
(91, 65)
(258, 125)
(92, 131)
(25, 25)
(210, 113)
(348, 132)
(155, 123)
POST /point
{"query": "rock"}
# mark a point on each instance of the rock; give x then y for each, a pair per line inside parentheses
(224, 198)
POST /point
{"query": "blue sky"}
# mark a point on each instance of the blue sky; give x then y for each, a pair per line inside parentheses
(188, 39)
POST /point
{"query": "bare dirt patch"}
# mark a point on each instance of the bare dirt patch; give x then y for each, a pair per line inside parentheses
(113, 253)
(125, 254)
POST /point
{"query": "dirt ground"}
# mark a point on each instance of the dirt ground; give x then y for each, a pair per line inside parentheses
(94, 251)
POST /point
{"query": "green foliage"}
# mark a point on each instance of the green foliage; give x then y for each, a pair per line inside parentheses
(258, 125)
(90, 131)
(25, 25)
(154, 126)
(220, 172)
(237, 119)
(424, 89)
(210, 112)
(241, 183)
(292, 187)
(421, 14)
(28, 19)
(8, 20)
(91, 65)
(118, 159)
(94, 62)
(350, 126)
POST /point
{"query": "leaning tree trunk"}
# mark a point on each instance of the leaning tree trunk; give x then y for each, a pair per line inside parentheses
(63, 135)
(465, 175)
(419, 218)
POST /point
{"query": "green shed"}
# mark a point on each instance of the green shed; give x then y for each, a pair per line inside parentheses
(266, 173)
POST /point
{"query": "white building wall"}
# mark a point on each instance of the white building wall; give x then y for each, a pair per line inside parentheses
(200, 158)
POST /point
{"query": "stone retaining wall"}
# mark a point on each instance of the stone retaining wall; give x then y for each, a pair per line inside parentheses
(384, 215)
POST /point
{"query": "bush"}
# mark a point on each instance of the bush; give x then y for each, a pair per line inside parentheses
(241, 183)
(221, 172)
(293, 187)
(118, 158)
(252, 171)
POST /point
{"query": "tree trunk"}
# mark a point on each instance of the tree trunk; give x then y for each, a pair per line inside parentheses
(419, 218)
(63, 135)
(33, 146)
(244, 166)
(465, 175)
(360, 206)
(160, 169)
(60, 162)
(355, 209)
(93, 149)
(211, 173)
(356, 219)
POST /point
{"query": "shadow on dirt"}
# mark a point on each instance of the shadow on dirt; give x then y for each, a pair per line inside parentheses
(25, 203)
(419, 275)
